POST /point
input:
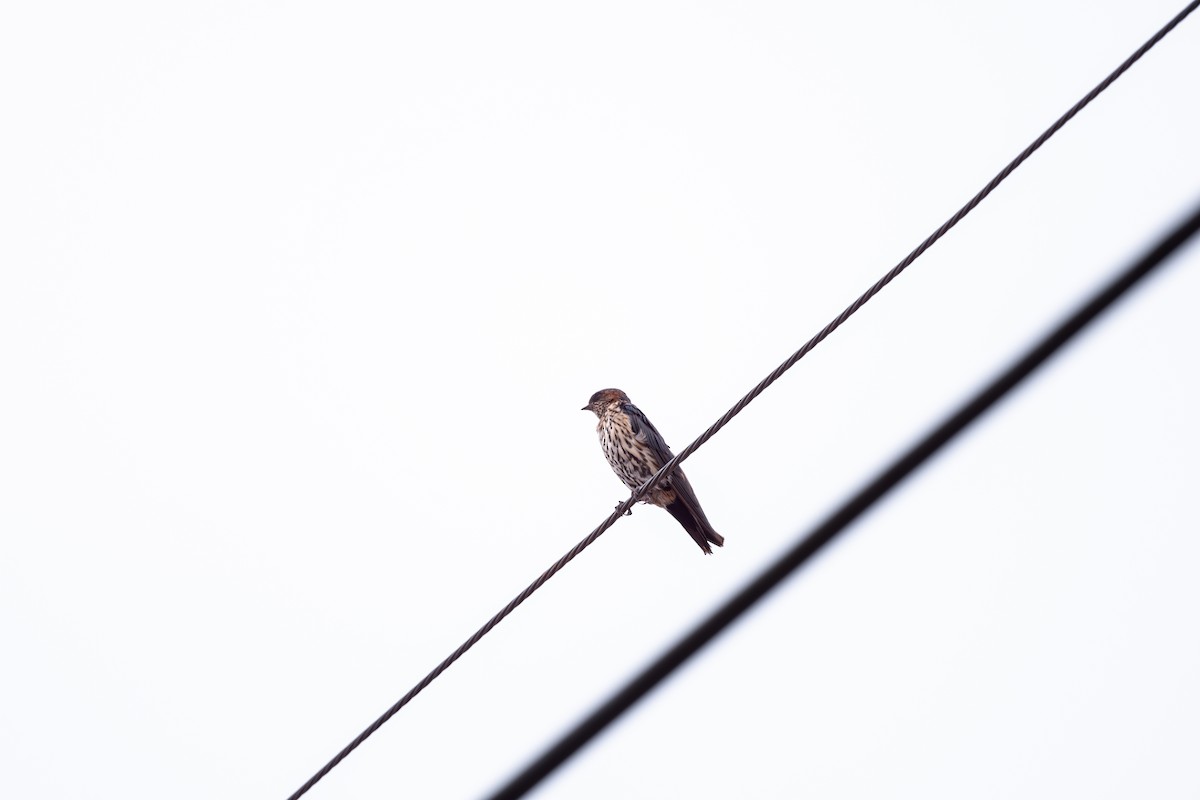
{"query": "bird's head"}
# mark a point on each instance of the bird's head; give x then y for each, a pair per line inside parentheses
(604, 399)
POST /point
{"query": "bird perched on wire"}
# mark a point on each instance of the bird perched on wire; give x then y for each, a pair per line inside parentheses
(636, 450)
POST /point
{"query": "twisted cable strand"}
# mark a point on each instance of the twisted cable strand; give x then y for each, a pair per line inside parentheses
(749, 397)
(920, 249)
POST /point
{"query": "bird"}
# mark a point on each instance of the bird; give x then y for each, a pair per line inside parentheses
(635, 450)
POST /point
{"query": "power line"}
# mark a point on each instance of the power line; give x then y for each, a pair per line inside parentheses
(810, 544)
(737, 408)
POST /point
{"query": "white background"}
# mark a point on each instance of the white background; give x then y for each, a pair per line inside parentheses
(299, 303)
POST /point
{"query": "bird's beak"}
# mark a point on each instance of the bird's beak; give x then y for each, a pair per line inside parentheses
(586, 408)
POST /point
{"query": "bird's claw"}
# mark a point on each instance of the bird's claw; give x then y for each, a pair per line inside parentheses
(628, 511)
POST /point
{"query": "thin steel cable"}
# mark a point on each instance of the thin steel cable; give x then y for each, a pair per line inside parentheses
(837, 522)
(921, 248)
(737, 408)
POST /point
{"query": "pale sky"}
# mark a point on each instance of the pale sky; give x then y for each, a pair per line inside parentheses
(299, 303)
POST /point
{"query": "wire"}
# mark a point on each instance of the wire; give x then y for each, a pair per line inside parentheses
(737, 408)
(837, 522)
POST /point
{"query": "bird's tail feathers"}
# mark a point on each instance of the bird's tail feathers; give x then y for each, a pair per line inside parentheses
(696, 524)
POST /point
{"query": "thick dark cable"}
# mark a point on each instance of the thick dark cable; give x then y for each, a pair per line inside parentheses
(741, 404)
(810, 544)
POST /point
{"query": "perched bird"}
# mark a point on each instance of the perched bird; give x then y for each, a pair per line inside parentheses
(636, 450)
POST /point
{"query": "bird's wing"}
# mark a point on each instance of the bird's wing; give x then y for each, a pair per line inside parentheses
(645, 432)
(691, 516)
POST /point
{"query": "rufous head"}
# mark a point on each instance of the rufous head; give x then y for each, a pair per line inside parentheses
(604, 398)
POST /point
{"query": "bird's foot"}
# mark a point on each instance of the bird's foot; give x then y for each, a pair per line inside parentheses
(628, 511)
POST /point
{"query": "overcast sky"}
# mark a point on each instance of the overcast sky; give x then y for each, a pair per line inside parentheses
(299, 303)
